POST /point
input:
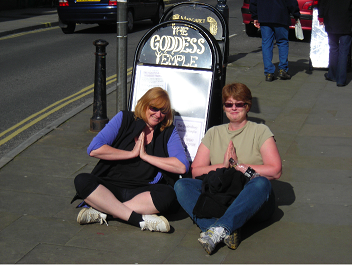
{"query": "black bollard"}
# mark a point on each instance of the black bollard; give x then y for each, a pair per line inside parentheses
(99, 119)
(223, 9)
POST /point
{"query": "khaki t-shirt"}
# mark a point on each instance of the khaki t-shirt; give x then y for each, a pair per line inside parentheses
(247, 141)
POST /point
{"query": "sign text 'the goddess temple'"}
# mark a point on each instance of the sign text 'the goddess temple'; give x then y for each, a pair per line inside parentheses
(178, 49)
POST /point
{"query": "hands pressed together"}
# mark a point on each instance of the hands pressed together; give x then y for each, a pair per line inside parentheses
(231, 153)
(139, 148)
(170, 164)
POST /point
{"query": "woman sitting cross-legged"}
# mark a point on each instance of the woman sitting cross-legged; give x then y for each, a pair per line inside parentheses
(247, 147)
(141, 157)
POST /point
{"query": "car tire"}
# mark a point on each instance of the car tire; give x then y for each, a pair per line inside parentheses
(251, 30)
(159, 14)
(130, 21)
(69, 29)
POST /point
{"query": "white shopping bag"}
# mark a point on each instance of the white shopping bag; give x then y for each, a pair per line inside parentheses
(298, 30)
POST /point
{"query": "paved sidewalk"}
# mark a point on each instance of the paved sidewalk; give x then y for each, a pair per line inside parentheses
(311, 120)
(20, 20)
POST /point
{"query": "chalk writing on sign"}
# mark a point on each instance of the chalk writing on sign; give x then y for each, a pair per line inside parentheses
(213, 25)
(178, 49)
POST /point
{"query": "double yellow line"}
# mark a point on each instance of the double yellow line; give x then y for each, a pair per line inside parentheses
(47, 27)
(40, 115)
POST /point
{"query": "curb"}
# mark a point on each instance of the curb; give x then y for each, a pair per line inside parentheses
(49, 128)
(34, 138)
(21, 30)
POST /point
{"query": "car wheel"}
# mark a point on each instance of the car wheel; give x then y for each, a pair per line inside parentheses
(130, 21)
(251, 30)
(159, 14)
(69, 29)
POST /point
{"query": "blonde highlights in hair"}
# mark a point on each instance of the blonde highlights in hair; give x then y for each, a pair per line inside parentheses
(158, 98)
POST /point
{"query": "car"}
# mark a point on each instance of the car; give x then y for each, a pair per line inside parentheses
(305, 7)
(103, 12)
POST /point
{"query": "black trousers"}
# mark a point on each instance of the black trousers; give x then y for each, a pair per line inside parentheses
(163, 195)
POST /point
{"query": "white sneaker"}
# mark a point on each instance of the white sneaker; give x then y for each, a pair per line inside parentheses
(232, 241)
(87, 216)
(211, 238)
(155, 223)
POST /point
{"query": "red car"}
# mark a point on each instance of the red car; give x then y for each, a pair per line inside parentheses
(305, 7)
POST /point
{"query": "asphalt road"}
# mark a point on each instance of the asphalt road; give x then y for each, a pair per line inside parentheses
(46, 72)
(45, 68)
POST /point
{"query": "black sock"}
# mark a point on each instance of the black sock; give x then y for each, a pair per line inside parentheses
(135, 218)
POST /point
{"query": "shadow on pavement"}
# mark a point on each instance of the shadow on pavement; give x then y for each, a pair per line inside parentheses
(16, 14)
(284, 195)
(112, 28)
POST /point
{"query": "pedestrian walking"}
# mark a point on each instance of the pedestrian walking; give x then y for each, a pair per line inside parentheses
(336, 15)
(273, 18)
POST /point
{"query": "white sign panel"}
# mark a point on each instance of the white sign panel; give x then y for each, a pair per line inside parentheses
(189, 92)
(191, 131)
(319, 44)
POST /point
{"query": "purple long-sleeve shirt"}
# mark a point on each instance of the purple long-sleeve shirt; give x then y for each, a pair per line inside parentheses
(107, 136)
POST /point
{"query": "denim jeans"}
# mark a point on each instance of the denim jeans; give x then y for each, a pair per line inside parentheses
(280, 34)
(255, 200)
(339, 47)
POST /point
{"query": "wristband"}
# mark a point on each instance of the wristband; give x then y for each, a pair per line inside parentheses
(249, 172)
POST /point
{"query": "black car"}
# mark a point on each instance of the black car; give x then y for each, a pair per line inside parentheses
(105, 12)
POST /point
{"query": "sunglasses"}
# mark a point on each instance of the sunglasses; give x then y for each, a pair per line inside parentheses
(238, 104)
(154, 109)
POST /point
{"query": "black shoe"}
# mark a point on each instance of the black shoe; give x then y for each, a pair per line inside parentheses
(327, 78)
(340, 85)
(283, 75)
(269, 77)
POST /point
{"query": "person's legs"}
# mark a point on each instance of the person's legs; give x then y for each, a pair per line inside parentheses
(250, 201)
(267, 48)
(188, 191)
(104, 201)
(344, 49)
(104, 197)
(333, 56)
(266, 211)
(95, 193)
(148, 200)
(255, 193)
(263, 214)
(281, 36)
(155, 198)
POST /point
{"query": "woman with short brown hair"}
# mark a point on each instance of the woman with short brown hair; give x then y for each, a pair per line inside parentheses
(244, 155)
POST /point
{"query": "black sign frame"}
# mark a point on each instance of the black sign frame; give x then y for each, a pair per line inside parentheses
(199, 11)
(212, 71)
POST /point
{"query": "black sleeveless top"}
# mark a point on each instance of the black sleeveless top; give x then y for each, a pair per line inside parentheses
(135, 172)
